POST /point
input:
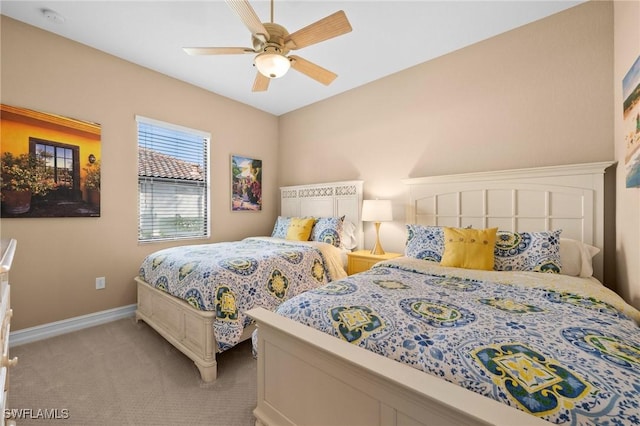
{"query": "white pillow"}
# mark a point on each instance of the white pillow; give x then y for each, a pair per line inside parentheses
(576, 257)
(348, 236)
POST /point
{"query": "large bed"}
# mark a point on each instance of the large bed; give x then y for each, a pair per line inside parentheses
(196, 296)
(461, 345)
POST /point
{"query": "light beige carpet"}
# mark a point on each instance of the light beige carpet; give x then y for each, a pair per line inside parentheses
(124, 373)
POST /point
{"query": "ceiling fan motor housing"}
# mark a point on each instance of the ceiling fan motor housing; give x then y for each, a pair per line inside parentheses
(277, 36)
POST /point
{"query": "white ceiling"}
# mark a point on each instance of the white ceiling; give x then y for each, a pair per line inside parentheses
(387, 37)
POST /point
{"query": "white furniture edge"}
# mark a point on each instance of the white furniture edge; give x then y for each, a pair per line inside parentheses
(529, 174)
(45, 331)
(7, 256)
(8, 252)
(191, 330)
(308, 377)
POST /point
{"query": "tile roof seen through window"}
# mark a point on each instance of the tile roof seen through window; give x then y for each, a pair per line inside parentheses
(155, 164)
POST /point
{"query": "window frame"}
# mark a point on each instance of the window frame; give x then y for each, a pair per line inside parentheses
(142, 180)
(75, 158)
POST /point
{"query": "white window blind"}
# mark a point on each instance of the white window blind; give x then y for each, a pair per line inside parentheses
(173, 181)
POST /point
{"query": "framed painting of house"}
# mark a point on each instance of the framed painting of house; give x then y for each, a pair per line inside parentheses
(50, 164)
(246, 184)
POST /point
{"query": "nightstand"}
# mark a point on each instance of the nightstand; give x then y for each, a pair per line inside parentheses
(362, 260)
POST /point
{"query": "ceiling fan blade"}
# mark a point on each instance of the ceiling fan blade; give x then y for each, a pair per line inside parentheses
(312, 70)
(217, 50)
(261, 83)
(324, 29)
(243, 9)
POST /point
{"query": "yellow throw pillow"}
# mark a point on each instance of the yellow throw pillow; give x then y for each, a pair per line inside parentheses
(469, 248)
(300, 228)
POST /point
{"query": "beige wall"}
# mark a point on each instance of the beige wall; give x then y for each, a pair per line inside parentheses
(536, 96)
(57, 260)
(627, 50)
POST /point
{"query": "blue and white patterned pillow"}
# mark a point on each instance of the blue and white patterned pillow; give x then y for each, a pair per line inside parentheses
(528, 251)
(425, 242)
(328, 230)
(281, 227)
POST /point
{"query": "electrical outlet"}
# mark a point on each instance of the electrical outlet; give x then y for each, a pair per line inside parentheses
(100, 283)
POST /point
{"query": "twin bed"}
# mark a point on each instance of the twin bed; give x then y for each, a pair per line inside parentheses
(465, 346)
(196, 296)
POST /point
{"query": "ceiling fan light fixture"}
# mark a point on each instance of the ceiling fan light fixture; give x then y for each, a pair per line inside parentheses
(272, 42)
(271, 63)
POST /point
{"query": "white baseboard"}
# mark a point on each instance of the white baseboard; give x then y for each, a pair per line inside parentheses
(32, 334)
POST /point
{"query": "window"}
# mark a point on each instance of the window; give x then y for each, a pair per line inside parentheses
(173, 181)
(61, 162)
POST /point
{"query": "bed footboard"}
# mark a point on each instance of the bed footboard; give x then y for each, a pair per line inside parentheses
(185, 327)
(189, 330)
(308, 377)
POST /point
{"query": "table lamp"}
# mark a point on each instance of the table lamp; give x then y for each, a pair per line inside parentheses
(377, 211)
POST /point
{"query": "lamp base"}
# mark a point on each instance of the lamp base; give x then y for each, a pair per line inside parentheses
(377, 249)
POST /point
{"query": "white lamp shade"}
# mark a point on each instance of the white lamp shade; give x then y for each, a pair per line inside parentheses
(271, 64)
(376, 211)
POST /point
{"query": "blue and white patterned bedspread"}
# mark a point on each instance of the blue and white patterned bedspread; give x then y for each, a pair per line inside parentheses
(561, 348)
(233, 277)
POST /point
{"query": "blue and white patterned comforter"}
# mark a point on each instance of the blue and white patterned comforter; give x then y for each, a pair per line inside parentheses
(562, 348)
(233, 277)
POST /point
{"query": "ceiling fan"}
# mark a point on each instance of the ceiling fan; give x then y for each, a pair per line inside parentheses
(272, 43)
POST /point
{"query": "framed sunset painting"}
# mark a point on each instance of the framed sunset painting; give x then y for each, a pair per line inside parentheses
(50, 164)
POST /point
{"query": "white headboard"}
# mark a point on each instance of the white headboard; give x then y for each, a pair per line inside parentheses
(325, 200)
(568, 197)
